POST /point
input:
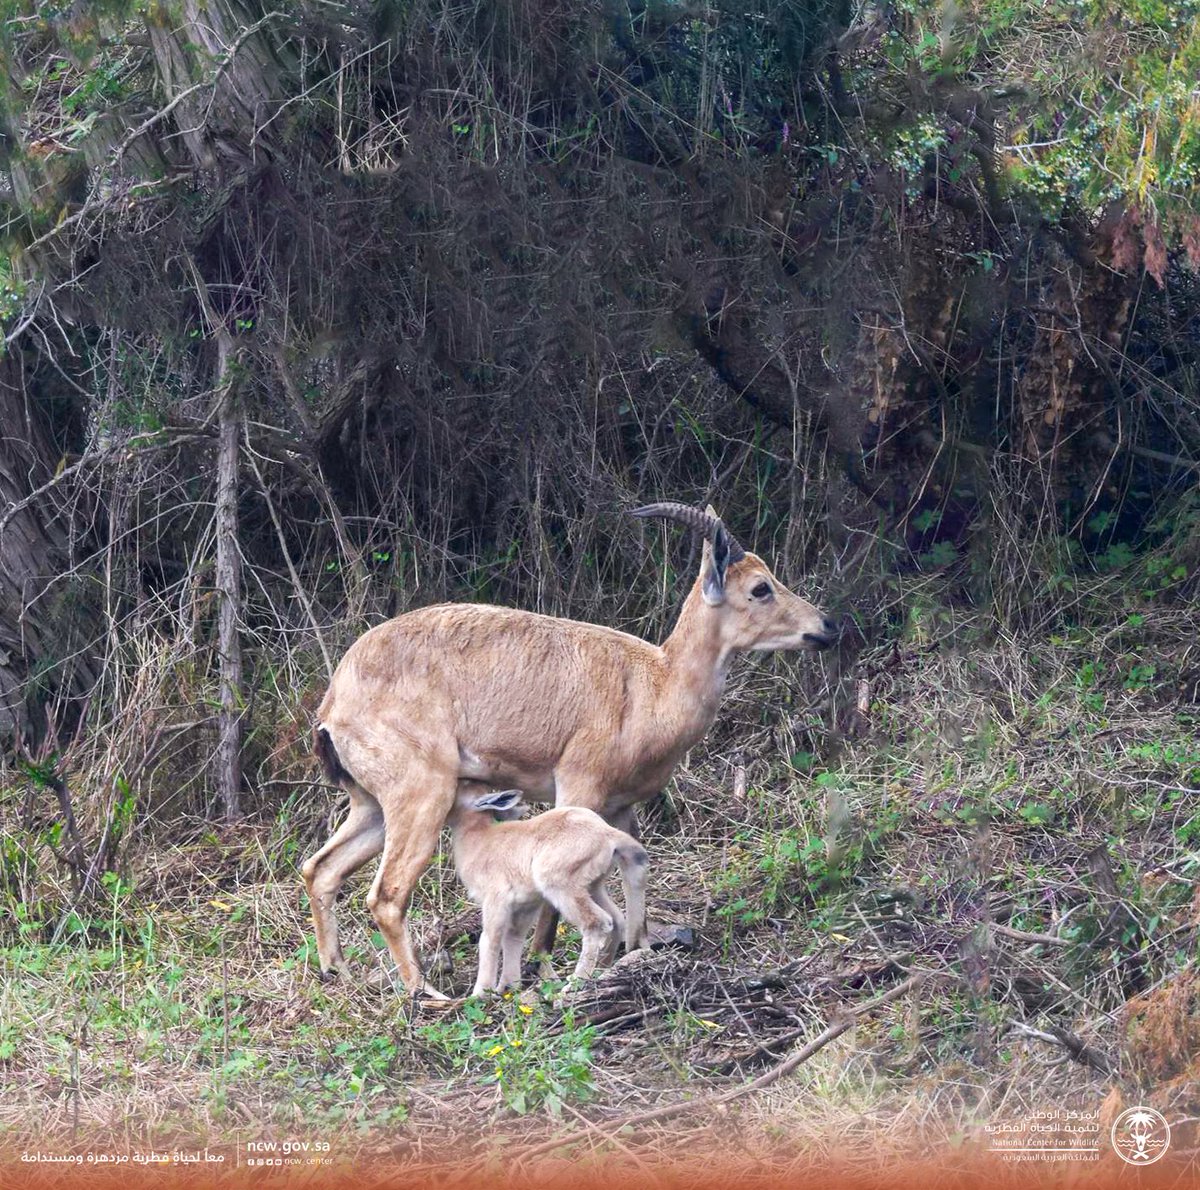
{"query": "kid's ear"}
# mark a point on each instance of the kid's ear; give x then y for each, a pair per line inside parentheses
(499, 800)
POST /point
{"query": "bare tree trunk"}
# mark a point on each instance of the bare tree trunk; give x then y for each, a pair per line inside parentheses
(229, 584)
(234, 47)
(33, 639)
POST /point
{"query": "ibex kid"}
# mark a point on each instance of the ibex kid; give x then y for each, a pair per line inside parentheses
(562, 857)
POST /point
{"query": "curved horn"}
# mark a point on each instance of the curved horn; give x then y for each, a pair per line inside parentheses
(695, 518)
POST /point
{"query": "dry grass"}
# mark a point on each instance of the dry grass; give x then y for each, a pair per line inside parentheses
(1018, 821)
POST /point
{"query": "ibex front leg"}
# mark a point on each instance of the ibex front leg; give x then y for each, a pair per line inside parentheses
(491, 937)
(514, 942)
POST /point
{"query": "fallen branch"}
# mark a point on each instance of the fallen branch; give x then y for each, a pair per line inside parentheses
(802, 1055)
(1073, 1044)
(1029, 936)
(622, 1017)
(763, 1049)
(1081, 1051)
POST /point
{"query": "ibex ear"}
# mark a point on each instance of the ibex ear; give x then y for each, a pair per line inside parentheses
(499, 801)
(713, 565)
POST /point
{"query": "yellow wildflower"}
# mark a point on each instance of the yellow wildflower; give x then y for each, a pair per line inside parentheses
(517, 1043)
(496, 1049)
(525, 1009)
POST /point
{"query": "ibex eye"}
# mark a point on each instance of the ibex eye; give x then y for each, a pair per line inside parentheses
(761, 591)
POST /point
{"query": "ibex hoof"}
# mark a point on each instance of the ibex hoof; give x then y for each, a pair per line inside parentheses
(330, 975)
(431, 993)
(431, 1000)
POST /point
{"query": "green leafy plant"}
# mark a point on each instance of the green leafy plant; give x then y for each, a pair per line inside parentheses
(537, 1064)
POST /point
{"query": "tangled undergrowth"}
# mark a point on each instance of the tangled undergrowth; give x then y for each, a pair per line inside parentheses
(419, 296)
(1013, 818)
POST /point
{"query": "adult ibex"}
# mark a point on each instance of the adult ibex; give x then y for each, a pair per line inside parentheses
(568, 712)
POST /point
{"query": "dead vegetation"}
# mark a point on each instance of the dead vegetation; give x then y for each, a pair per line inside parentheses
(489, 282)
(1030, 857)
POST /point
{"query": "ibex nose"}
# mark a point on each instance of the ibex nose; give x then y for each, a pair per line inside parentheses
(831, 630)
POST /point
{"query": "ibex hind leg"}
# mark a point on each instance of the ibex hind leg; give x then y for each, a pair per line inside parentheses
(591, 919)
(357, 840)
(415, 809)
(633, 860)
(573, 788)
(613, 945)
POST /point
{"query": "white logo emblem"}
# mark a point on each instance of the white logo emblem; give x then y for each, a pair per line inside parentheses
(1140, 1135)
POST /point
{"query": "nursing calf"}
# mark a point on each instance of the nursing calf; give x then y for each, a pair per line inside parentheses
(561, 858)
